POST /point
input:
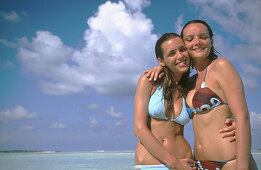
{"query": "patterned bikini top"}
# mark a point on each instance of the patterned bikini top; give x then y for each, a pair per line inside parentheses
(205, 99)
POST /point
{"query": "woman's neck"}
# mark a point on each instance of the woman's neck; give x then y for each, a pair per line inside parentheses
(200, 65)
(177, 77)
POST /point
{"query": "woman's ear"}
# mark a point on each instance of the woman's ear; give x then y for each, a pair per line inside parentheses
(161, 62)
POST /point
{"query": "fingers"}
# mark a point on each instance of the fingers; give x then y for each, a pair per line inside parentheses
(232, 139)
(152, 76)
(161, 75)
(188, 161)
(156, 75)
(231, 126)
(229, 134)
(228, 121)
(147, 73)
(227, 129)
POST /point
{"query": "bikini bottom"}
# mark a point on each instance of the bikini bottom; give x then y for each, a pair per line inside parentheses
(210, 165)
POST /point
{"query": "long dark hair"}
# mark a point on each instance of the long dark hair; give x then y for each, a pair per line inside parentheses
(213, 52)
(167, 82)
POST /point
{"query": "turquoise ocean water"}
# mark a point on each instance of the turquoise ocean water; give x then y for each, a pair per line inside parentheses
(113, 160)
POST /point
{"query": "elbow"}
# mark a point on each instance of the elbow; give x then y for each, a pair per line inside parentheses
(137, 131)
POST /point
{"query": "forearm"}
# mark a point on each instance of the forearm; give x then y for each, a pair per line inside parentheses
(243, 138)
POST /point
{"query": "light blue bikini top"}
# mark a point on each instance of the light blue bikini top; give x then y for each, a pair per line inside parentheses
(156, 108)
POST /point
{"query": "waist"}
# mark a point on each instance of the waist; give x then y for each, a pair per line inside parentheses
(165, 128)
(209, 143)
(177, 147)
(211, 146)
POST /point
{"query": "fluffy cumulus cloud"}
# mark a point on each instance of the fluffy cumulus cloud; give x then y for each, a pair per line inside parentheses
(118, 47)
(17, 113)
(137, 5)
(240, 18)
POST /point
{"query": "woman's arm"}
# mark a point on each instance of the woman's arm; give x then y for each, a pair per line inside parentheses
(154, 73)
(232, 87)
(149, 141)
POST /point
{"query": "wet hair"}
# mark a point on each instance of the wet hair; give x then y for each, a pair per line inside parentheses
(213, 52)
(167, 81)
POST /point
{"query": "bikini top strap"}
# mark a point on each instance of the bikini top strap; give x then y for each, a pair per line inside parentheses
(205, 73)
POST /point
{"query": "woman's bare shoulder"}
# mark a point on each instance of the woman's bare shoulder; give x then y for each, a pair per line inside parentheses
(222, 63)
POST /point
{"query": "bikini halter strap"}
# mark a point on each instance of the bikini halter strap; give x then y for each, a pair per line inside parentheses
(205, 73)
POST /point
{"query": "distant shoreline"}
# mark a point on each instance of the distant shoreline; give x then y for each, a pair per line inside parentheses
(24, 151)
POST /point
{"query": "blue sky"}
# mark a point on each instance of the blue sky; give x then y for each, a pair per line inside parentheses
(68, 70)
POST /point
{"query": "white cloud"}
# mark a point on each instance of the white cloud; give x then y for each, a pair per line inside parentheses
(11, 16)
(57, 126)
(239, 17)
(178, 24)
(48, 57)
(137, 5)
(119, 46)
(17, 113)
(112, 113)
(93, 122)
(255, 119)
(120, 119)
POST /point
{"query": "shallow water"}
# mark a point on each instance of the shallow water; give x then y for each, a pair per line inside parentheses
(113, 160)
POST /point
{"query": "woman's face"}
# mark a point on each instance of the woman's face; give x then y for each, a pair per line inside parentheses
(175, 54)
(197, 40)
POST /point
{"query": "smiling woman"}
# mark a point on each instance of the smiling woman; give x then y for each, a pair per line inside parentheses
(160, 110)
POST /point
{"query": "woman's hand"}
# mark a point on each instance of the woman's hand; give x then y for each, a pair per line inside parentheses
(183, 164)
(229, 131)
(154, 73)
